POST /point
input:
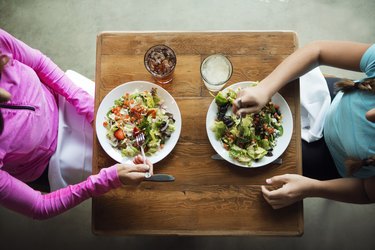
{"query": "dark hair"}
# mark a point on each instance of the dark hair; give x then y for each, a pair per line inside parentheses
(353, 164)
(348, 85)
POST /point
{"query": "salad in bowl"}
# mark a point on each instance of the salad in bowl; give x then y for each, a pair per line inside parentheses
(131, 114)
(253, 140)
(135, 107)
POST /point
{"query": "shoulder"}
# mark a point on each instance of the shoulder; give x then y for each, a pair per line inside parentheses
(367, 63)
(5, 37)
(3, 34)
(7, 42)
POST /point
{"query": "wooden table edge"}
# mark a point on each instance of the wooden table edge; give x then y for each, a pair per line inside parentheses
(300, 230)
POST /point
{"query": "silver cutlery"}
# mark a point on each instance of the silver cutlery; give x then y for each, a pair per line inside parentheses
(140, 139)
(161, 178)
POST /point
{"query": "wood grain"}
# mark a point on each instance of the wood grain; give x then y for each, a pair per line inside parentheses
(208, 197)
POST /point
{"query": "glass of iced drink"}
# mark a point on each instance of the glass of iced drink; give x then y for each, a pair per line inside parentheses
(160, 61)
(215, 71)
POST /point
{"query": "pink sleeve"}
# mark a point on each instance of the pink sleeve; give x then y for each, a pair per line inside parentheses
(19, 197)
(49, 73)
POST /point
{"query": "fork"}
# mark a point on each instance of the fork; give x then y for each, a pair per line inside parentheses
(140, 139)
(239, 125)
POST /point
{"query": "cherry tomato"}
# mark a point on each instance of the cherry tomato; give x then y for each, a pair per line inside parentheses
(119, 134)
(136, 131)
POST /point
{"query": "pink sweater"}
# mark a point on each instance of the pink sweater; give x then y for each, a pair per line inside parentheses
(30, 132)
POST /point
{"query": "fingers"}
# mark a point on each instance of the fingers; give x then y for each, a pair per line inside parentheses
(370, 115)
(273, 198)
(284, 190)
(139, 160)
(278, 180)
(240, 107)
(130, 174)
(272, 194)
(143, 168)
(133, 178)
(276, 197)
(245, 104)
(4, 95)
(137, 176)
(151, 166)
(236, 106)
(247, 110)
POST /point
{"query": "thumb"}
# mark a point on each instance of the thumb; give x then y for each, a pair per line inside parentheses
(278, 180)
(4, 95)
(140, 168)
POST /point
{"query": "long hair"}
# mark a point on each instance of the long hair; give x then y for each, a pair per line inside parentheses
(353, 164)
(348, 85)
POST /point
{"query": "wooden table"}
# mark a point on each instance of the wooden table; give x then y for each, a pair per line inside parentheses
(208, 197)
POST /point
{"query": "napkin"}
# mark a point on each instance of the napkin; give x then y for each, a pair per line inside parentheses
(71, 163)
(315, 101)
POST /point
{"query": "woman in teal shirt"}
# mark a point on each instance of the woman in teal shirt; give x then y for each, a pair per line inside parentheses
(349, 127)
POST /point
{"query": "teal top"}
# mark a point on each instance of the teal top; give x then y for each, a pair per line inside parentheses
(347, 132)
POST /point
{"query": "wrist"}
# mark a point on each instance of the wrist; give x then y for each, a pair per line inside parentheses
(267, 89)
(312, 188)
(120, 168)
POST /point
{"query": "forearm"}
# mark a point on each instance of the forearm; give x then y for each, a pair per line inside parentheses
(294, 66)
(351, 190)
(345, 55)
(52, 76)
(19, 197)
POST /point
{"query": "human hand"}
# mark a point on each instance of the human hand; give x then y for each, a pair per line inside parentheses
(139, 160)
(290, 188)
(370, 115)
(4, 95)
(250, 100)
(134, 174)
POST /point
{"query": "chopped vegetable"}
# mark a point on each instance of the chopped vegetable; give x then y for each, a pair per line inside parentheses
(252, 138)
(119, 134)
(220, 99)
(138, 112)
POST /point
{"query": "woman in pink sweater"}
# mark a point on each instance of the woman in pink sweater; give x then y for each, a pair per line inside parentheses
(30, 84)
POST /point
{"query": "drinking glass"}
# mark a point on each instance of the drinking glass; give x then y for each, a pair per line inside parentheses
(216, 70)
(160, 60)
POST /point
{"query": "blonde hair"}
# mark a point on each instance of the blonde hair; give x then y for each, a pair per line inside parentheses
(353, 164)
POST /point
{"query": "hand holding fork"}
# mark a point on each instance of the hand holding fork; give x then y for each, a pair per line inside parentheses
(140, 139)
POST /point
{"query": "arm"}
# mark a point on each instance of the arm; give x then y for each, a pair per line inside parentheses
(49, 74)
(19, 197)
(370, 115)
(291, 188)
(345, 55)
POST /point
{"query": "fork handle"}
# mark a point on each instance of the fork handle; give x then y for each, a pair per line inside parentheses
(147, 175)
